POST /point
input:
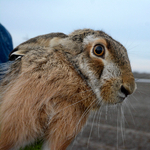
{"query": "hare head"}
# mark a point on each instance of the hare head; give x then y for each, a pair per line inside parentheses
(103, 64)
(53, 83)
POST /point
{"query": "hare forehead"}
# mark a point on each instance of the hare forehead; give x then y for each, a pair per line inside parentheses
(91, 39)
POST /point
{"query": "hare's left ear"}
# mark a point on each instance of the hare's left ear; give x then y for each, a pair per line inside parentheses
(16, 54)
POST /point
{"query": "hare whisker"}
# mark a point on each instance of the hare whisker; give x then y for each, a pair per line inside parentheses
(106, 112)
(119, 123)
(74, 103)
(80, 93)
(117, 126)
(134, 97)
(84, 114)
(131, 48)
(99, 117)
(127, 44)
(132, 106)
(140, 91)
(122, 123)
(91, 128)
(130, 112)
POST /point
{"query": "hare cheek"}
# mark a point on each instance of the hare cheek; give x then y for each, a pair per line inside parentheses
(110, 83)
(109, 91)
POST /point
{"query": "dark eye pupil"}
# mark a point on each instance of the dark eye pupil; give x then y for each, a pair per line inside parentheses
(99, 49)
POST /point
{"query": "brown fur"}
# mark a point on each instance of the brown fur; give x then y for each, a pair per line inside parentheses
(49, 92)
(36, 100)
(39, 42)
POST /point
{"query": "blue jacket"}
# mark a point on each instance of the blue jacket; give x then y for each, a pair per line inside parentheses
(6, 45)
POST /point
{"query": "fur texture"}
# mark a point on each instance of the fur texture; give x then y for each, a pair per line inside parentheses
(49, 92)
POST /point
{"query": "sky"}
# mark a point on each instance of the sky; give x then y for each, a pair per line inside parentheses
(127, 21)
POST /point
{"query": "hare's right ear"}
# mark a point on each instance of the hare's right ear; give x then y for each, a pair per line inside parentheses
(16, 54)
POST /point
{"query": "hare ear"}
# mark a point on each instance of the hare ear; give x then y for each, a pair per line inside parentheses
(16, 54)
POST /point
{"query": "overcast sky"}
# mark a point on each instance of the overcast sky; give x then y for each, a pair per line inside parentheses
(127, 21)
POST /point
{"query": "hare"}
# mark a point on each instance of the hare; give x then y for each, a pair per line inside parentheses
(54, 83)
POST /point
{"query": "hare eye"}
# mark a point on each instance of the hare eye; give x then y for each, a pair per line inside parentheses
(98, 50)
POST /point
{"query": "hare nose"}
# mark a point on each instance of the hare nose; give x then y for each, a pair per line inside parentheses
(125, 91)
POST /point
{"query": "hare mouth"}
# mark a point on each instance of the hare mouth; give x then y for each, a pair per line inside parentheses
(121, 97)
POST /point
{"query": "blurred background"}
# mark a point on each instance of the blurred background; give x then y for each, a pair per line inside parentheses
(127, 21)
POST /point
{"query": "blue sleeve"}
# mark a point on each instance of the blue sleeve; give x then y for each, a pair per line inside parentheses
(6, 45)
